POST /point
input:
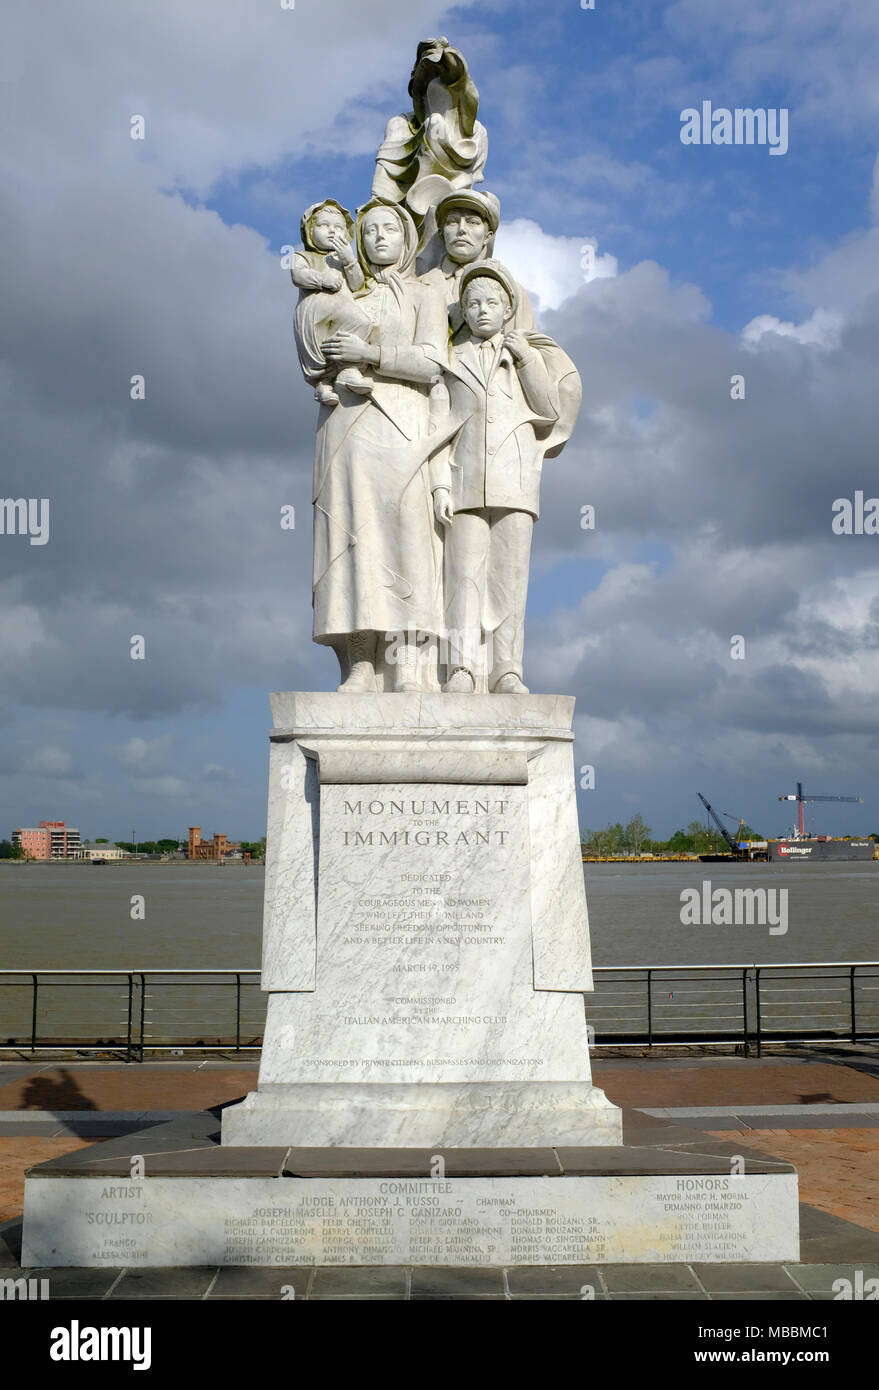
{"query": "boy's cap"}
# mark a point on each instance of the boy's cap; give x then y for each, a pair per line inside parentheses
(492, 270)
(486, 204)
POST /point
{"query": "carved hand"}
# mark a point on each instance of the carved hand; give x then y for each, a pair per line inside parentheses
(348, 348)
(442, 505)
(343, 249)
(332, 280)
(518, 345)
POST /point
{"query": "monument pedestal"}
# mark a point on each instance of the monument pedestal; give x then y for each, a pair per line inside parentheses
(424, 1094)
(667, 1194)
(425, 940)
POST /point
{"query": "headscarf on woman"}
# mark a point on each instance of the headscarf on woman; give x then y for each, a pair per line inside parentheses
(404, 269)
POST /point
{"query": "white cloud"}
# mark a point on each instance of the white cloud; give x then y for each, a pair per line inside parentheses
(822, 329)
(550, 267)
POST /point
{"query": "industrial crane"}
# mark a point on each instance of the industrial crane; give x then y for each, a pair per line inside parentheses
(733, 844)
(800, 799)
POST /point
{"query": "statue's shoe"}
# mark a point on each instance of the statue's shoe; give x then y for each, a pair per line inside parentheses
(510, 684)
(354, 380)
(360, 679)
(460, 682)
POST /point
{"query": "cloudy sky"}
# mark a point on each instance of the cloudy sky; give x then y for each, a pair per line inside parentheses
(161, 257)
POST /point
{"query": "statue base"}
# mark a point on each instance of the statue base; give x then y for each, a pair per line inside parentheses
(667, 1194)
(426, 942)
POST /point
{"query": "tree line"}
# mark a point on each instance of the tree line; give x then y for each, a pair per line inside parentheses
(635, 838)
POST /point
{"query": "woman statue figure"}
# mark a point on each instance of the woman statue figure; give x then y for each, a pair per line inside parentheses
(377, 545)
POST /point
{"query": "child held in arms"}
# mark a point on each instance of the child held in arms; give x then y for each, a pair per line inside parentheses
(518, 394)
(326, 272)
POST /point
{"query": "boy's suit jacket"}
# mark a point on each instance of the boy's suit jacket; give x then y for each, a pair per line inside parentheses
(495, 459)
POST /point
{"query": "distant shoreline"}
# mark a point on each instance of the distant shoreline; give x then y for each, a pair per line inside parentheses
(136, 863)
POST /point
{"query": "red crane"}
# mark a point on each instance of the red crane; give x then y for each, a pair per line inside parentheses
(801, 799)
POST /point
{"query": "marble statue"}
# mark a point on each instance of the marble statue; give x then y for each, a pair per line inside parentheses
(439, 145)
(326, 272)
(438, 403)
(518, 394)
(425, 941)
(466, 224)
(377, 546)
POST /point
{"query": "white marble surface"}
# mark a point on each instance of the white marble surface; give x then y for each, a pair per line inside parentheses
(303, 711)
(429, 736)
(422, 931)
(423, 1114)
(393, 1221)
(290, 903)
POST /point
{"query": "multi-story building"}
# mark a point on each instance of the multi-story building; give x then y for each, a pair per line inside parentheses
(218, 848)
(53, 839)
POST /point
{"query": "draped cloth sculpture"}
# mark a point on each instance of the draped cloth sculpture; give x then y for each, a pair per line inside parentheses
(437, 147)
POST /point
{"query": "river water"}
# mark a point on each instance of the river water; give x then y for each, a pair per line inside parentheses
(79, 917)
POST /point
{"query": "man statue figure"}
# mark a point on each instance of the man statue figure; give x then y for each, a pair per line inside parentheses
(466, 224)
(518, 395)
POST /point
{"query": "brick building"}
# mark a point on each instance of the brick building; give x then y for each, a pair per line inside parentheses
(52, 839)
(218, 848)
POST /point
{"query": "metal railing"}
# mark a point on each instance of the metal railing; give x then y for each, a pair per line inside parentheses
(133, 1012)
(746, 1004)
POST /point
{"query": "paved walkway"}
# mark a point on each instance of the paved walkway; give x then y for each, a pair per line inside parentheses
(703, 1283)
(816, 1109)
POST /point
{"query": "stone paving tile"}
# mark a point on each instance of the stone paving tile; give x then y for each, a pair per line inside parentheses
(234, 1281)
(17, 1071)
(552, 1280)
(643, 1278)
(200, 1130)
(760, 1296)
(751, 1278)
(388, 1283)
(123, 1086)
(441, 1282)
(796, 1120)
(657, 1082)
(817, 1278)
(18, 1154)
(838, 1168)
(34, 1130)
(360, 1297)
(665, 1295)
(381, 1281)
(196, 1083)
(558, 1298)
(161, 1282)
(78, 1283)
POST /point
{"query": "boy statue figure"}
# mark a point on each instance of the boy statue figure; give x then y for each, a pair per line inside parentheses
(518, 394)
